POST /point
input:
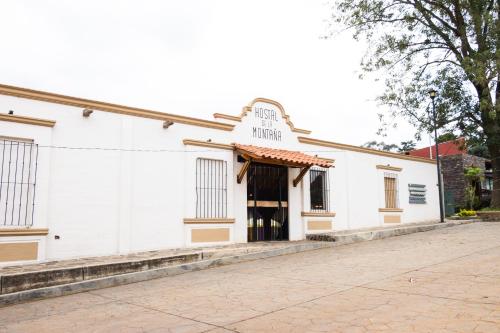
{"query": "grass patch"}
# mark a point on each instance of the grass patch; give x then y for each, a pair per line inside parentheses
(489, 209)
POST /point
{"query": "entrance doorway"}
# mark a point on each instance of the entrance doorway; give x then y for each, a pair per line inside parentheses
(267, 202)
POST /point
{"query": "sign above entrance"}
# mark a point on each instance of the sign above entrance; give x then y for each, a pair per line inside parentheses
(264, 122)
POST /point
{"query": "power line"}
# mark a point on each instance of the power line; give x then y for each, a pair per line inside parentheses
(151, 150)
(146, 150)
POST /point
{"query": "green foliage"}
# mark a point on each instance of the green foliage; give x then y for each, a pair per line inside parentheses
(473, 175)
(407, 146)
(448, 45)
(489, 209)
(449, 136)
(381, 145)
(403, 147)
(478, 149)
(466, 213)
(471, 199)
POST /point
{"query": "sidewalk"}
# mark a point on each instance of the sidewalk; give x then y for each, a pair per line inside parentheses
(366, 234)
(55, 278)
(190, 254)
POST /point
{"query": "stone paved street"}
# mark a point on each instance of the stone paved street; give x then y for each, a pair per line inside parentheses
(445, 280)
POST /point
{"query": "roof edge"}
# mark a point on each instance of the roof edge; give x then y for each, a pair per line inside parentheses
(324, 143)
(109, 107)
(293, 158)
(27, 120)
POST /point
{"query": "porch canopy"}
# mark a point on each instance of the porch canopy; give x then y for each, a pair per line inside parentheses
(283, 157)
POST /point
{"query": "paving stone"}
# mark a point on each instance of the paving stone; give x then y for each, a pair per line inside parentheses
(112, 317)
(366, 310)
(363, 287)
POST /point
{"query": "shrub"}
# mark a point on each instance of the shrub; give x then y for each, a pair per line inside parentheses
(466, 212)
(474, 176)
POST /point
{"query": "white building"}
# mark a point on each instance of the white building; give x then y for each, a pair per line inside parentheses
(87, 178)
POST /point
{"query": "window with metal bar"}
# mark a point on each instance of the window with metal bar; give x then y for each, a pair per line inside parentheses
(211, 188)
(319, 190)
(391, 190)
(18, 167)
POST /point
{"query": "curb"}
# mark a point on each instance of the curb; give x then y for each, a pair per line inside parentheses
(11, 283)
(116, 280)
(382, 233)
(322, 241)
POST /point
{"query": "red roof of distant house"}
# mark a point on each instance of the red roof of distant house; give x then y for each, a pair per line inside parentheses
(453, 147)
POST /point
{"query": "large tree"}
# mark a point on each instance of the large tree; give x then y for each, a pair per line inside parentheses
(450, 46)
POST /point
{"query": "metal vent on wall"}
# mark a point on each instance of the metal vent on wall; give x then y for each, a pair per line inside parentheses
(417, 193)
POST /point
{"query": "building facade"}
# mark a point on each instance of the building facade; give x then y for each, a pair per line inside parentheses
(87, 178)
(454, 162)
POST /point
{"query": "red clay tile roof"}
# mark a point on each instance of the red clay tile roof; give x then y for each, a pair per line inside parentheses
(453, 147)
(292, 157)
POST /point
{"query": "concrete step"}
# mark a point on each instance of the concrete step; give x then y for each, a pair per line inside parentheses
(42, 283)
(29, 282)
(10, 283)
(360, 235)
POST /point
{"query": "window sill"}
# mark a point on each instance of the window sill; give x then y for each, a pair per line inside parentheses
(318, 214)
(208, 221)
(390, 210)
(23, 232)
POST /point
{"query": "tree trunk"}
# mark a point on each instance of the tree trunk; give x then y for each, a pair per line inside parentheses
(491, 129)
(495, 163)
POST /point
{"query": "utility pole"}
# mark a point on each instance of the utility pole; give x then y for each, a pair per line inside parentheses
(433, 94)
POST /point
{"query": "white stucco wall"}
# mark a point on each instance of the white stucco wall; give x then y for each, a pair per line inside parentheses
(134, 194)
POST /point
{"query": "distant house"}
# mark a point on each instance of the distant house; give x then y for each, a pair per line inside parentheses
(448, 148)
(454, 160)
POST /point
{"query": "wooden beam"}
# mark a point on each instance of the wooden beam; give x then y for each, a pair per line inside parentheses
(278, 162)
(243, 171)
(261, 203)
(301, 175)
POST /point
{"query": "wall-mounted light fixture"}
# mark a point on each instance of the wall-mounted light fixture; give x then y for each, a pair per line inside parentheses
(167, 124)
(87, 112)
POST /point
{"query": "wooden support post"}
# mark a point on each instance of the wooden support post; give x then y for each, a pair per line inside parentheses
(243, 171)
(301, 175)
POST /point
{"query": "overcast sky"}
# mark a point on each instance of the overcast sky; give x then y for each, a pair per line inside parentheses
(195, 58)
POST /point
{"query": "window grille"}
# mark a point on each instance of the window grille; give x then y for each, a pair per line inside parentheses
(391, 190)
(18, 167)
(211, 188)
(319, 190)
